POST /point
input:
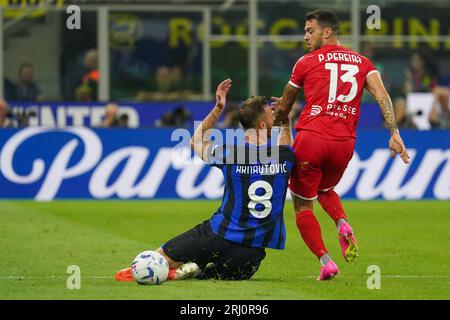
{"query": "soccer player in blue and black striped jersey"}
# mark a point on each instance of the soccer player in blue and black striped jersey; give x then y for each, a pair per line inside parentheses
(231, 245)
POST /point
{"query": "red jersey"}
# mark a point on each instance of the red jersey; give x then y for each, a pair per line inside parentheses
(333, 79)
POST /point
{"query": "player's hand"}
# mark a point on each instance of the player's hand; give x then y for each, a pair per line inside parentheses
(274, 102)
(280, 117)
(221, 93)
(396, 145)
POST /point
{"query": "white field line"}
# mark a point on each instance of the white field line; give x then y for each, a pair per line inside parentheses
(52, 277)
(12, 277)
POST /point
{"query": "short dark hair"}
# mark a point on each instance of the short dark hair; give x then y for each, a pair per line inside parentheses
(326, 18)
(251, 110)
(25, 65)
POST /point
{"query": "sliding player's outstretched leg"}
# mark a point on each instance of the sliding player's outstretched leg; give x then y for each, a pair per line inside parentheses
(185, 271)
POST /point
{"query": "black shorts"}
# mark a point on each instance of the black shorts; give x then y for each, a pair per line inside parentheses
(226, 260)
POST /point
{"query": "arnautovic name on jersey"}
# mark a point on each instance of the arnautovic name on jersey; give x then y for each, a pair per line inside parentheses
(263, 169)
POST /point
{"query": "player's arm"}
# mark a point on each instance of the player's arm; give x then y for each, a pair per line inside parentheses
(375, 86)
(285, 136)
(199, 142)
(285, 104)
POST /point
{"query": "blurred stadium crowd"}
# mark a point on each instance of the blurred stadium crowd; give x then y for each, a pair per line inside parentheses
(155, 57)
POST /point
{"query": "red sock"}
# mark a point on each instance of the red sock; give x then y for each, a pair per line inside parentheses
(310, 231)
(332, 205)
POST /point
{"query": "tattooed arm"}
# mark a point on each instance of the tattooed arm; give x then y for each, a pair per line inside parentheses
(375, 86)
(198, 142)
(285, 104)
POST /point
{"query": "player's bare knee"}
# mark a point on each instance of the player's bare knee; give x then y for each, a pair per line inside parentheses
(304, 205)
(301, 204)
(172, 264)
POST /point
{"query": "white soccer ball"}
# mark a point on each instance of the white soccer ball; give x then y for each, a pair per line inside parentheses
(150, 267)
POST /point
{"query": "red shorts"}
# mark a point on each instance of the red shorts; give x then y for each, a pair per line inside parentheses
(319, 163)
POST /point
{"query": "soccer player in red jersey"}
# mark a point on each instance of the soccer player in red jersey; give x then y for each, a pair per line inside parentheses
(333, 79)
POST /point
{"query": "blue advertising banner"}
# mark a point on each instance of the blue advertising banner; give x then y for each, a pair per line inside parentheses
(140, 115)
(81, 163)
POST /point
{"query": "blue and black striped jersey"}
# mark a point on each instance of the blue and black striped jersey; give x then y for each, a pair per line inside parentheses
(256, 181)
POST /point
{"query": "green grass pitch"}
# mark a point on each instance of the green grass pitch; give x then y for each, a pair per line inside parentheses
(409, 241)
